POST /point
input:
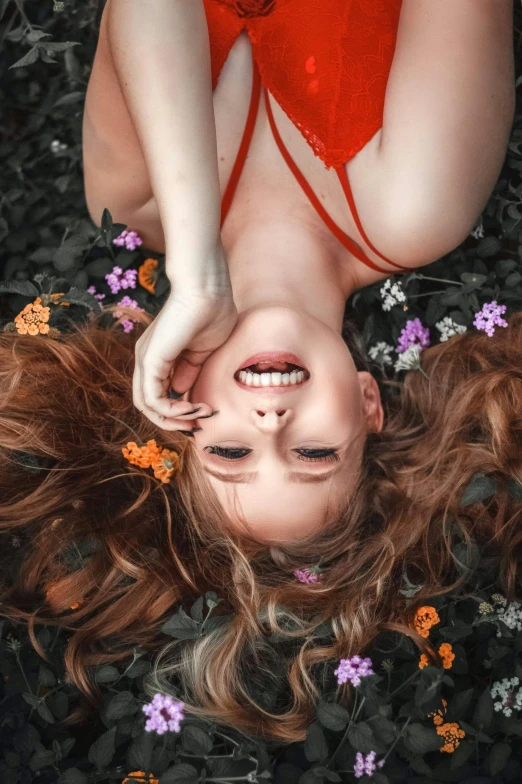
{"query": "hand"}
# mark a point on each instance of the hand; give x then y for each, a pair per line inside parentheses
(193, 323)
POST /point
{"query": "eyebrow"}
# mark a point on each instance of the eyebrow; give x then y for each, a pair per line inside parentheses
(302, 477)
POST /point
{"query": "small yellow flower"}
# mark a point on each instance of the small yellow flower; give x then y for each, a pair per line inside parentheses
(148, 275)
(424, 661)
(451, 732)
(140, 777)
(166, 465)
(425, 617)
(164, 462)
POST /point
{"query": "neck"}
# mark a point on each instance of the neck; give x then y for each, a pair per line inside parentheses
(288, 262)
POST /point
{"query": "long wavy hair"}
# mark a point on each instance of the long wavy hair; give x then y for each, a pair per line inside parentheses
(108, 552)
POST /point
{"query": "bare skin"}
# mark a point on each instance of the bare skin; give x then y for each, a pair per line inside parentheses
(420, 183)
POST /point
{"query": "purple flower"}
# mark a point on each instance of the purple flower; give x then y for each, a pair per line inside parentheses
(306, 576)
(366, 765)
(92, 290)
(353, 669)
(117, 279)
(128, 239)
(489, 316)
(164, 714)
(413, 334)
(128, 323)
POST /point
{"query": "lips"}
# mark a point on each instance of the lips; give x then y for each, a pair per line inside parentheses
(272, 356)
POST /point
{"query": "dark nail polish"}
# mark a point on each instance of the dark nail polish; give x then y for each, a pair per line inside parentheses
(173, 395)
(196, 428)
(189, 413)
(186, 433)
(207, 416)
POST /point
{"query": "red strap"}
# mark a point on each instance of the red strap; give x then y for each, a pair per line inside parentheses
(245, 144)
(347, 241)
(343, 177)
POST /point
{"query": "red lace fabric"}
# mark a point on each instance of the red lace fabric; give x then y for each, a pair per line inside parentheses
(326, 64)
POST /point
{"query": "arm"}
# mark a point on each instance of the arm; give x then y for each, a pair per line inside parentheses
(149, 130)
(447, 118)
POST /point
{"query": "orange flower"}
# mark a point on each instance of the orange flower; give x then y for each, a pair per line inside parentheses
(140, 777)
(32, 320)
(446, 654)
(425, 618)
(142, 456)
(164, 462)
(55, 299)
(75, 605)
(166, 465)
(148, 274)
(438, 715)
(451, 732)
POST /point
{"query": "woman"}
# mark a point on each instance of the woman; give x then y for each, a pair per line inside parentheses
(106, 550)
(410, 102)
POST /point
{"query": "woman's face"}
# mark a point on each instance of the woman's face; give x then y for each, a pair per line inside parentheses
(288, 452)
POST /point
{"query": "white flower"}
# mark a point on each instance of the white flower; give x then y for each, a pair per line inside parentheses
(392, 294)
(512, 616)
(447, 328)
(505, 689)
(409, 359)
(57, 146)
(478, 231)
(380, 352)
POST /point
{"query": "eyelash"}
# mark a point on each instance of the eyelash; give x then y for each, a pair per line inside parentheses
(225, 453)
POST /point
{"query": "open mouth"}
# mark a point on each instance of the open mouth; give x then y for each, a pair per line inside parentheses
(272, 374)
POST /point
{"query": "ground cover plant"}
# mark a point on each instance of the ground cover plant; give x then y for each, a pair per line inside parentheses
(426, 724)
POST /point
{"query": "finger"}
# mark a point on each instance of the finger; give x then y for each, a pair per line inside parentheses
(186, 372)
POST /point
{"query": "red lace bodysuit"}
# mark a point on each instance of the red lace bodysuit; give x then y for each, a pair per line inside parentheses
(327, 65)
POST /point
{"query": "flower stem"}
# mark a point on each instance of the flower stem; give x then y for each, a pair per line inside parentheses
(439, 280)
(126, 425)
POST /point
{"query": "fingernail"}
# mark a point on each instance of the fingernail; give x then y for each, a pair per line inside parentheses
(186, 433)
(173, 395)
(196, 428)
(207, 416)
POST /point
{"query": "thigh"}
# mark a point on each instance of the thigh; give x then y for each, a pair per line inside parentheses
(115, 171)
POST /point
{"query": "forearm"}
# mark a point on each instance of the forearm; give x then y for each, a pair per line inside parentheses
(161, 55)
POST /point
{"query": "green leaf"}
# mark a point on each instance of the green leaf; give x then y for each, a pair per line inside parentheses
(68, 98)
(504, 267)
(28, 59)
(332, 716)
(41, 759)
(99, 268)
(31, 699)
(480, 488)
(67, 254)
(106, 674)
(73, 776)
(23, 287)
(513, 280)
(362, 738)
(196, 611)
(37, 35)
(46, 677)
(183, 773)
(498, 756)
(484, 710)
(212, 599)
(421, 739)
(59, 46)
(195, 740)
(315, 745)
(460, 703)
(123, 704)
(78, 297)
(473, 280)
(140, 753)
(181, 628)
(489, 246)
(215, 623)
(106, 221)
(45, 713)
(101, 751)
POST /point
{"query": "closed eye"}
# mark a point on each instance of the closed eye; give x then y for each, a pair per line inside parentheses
(238, 453)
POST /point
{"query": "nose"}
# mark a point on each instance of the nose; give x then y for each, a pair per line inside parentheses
(270, 420)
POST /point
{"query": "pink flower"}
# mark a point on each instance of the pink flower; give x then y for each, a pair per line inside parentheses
(117, 279)
(92, 290)
(128, 239)
(164, 714)
(128, 322)
(413, 334)
(366, 765)
(306, 576)
(353, 669)
(489, 316)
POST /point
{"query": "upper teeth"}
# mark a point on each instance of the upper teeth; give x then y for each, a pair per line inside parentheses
(271, 379)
